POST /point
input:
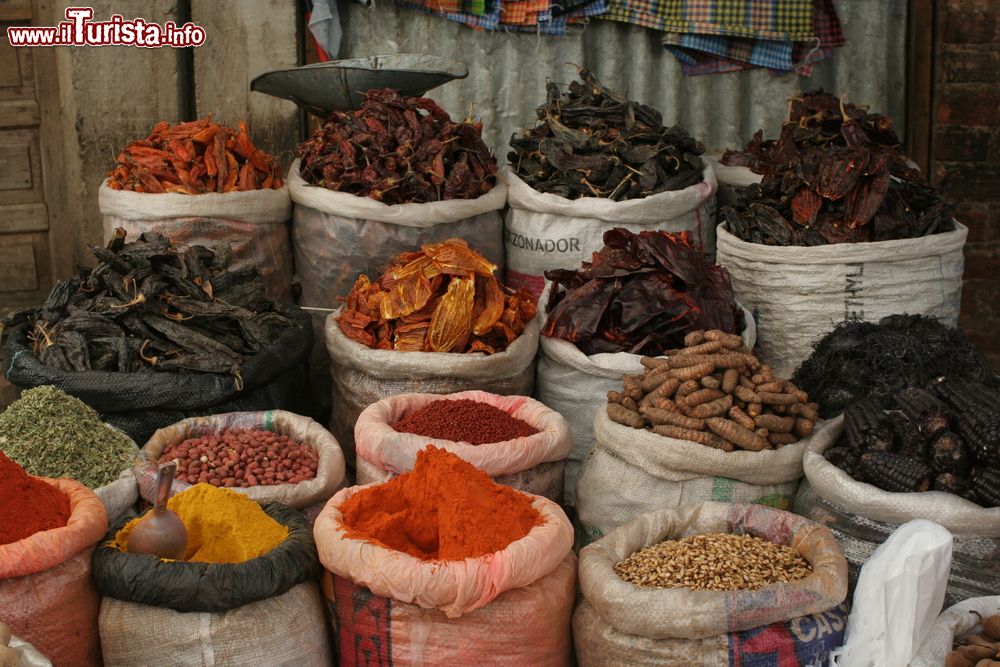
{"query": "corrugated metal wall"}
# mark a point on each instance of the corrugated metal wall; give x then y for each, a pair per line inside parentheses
(508, 71)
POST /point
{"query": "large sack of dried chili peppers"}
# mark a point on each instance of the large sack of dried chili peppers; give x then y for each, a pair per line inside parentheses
(897, 489)
(967, 619)
(841, 227)
(517, 441)
(199, 183)
(436, 322)
(245, 592)
(708, 422)
(591, 337)
(272, 456)
(48, 529)
(467, 571)
(185, 336)
(595, 162)
(739, 613)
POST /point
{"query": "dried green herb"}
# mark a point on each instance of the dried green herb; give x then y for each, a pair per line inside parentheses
(52, 434)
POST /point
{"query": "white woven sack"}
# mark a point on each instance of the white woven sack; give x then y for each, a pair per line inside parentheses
(455, 587)
(633, 471)
(544, 231)
(286, 630)
(120, 495)
(955, 622)
(962, 517)
(798, 294)
(330, 471)
(576, 386)
(362, 375)
(253, 224)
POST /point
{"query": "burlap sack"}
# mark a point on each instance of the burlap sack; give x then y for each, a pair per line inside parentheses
(576, 386)
(618, 624)
(362, 375)
(510, 608)
(47, 596)
(252, 224)
(862, 516)
(962, 619)
(632, 471)
(534, 464)
(329, 473)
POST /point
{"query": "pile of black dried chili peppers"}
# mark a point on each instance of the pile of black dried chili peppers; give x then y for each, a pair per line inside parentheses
(149, 305)
(835, 175)
(593, 142)
(641, 294)
(399, 150)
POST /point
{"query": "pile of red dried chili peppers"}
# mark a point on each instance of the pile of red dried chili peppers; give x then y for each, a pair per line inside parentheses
(442, 298)
(594, 142)
(641, 293)
(194, 158)
(399, 150)
(835, 175)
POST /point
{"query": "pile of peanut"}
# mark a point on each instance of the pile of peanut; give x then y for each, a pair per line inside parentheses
(981, 649)
(716, 393)
(714, 562)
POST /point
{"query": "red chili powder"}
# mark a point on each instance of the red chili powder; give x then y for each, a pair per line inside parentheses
(27, 504)
(464, 420)
(445, 509)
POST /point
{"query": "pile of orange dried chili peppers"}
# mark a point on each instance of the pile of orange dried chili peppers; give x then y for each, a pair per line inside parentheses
(443, 298)
(195, 158)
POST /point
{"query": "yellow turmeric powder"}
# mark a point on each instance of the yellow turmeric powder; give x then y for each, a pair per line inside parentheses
(223, 526)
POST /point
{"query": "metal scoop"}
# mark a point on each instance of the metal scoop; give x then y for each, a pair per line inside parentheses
(160, 532)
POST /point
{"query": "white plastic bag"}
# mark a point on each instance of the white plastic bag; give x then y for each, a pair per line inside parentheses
(957, 621)
(576, 386)
(545, 231)
(253, 224)
(798, 294)
(28, 655)
(899, 595)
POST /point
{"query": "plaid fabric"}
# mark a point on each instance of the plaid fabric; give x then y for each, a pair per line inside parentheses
(489, 21)
(523, 12)
(788, 20)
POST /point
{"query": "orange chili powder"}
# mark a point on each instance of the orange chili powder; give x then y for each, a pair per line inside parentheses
(445, 509)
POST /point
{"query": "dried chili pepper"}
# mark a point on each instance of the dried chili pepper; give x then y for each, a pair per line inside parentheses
(399, 150)
(195, 158)
(593, 142)
(152, 305)
(836, 174)
(642, 293)
(443, 298)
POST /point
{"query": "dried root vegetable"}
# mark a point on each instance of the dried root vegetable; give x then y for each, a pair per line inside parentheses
(643, 293)
(943, 438)
(593, 142)
(711, 396)
(836, 174)
(442, 298)
(399, 150)
(978, 649)
(195, 158)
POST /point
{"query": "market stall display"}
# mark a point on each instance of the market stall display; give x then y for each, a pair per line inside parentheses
(862, 515)
(517, 441)
(597, 161)
(200, 183)
(47, 594)
(247, 570)
(235, 450)
(158, 330)
(701, 621)
(464, 572)
(841, 228)
(708, 421)
(52, 434)
(969, 629)
(457, 330)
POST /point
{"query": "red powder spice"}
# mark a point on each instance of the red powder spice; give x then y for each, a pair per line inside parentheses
(464, 420)
(445, 509)
(27, 504)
